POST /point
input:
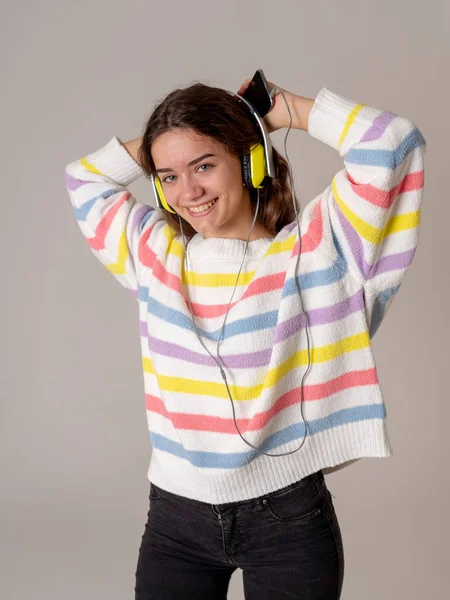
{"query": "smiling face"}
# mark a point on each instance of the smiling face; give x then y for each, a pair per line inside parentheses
(196, 170)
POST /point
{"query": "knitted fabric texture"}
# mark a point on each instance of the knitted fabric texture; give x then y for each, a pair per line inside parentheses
(359, 237)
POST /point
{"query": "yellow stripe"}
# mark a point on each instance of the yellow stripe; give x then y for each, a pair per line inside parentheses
(89, 166)
(118, 268)
(372, 234)
(241, 393)
(217, 279)
(220, 279)
(402, 222)
(350, 120)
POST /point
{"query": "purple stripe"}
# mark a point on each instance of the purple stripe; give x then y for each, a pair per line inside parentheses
(378, 127)
(320, 316)
(354, 242)
(138, 216)
(375, 131)
(393, 262)
(72, 183)
(252, 359)
(317, 316)
(400, 260)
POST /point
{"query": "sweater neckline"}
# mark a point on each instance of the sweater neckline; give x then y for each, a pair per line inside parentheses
(202, 248)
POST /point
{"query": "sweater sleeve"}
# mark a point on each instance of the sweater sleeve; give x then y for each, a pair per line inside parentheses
(110, 218)
(369, 216)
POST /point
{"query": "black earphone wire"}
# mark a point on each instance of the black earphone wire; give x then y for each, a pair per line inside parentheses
(291, 177)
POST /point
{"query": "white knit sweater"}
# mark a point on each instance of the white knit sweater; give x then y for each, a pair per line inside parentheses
(358, 238)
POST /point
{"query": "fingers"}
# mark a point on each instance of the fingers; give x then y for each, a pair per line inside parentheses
(244, 86)
(274, 89)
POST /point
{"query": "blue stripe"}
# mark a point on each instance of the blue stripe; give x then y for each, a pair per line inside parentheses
(251, 323)
(318, 278)
(150, 213)
(234, 460)
(387, 159)
(82, 212)
(379, 308)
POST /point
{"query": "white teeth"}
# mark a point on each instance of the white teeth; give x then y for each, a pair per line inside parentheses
(202, 208)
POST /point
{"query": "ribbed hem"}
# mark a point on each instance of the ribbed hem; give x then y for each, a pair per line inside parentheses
(329, 116)
(115, 162)
(328, 450)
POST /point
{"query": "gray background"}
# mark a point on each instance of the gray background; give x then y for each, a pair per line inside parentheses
(74, 444)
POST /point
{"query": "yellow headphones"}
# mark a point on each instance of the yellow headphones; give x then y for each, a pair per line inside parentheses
(257, 164)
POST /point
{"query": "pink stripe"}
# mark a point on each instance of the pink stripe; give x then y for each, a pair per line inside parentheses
(320, 391)
(260, 285)
(383, 198)
(98, 241)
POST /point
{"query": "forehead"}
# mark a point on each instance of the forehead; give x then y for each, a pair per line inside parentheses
(178, 147)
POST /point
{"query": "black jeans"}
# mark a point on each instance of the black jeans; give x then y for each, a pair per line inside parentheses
(288, 544)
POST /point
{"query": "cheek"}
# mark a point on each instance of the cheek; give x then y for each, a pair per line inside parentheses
(231, 181)
(172, 199)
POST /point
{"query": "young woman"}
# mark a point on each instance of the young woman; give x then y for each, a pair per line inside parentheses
(240, 445)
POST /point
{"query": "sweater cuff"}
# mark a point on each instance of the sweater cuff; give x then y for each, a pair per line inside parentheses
(328, 117)
(114, 161)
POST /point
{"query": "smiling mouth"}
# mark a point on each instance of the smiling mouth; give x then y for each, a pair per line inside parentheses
(209, 205)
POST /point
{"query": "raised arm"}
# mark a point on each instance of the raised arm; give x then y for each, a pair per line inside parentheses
(110, 218)
(132, 148)
(370, 213)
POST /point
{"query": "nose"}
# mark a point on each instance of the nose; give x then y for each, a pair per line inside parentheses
(190, 190)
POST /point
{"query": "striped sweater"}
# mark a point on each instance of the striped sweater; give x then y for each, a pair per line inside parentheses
(358, 238)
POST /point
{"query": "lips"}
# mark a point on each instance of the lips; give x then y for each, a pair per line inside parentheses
(204, 212)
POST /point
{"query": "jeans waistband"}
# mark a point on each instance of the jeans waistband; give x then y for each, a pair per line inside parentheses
(317, 478)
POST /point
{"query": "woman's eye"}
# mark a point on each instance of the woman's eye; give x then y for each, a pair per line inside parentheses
(167, 180)
(205, 165)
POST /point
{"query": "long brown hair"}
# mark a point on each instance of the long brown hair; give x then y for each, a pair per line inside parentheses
(214, 112)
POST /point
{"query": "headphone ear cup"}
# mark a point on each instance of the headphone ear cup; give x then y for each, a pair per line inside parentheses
(258, 166)
(254, 167)
(160, 198)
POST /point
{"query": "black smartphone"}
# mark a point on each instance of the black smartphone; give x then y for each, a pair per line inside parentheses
(258, 94)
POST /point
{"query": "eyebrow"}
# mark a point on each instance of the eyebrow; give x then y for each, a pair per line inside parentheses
(193, 162)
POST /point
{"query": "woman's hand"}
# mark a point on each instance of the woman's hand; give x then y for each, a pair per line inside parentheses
(278, 115)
